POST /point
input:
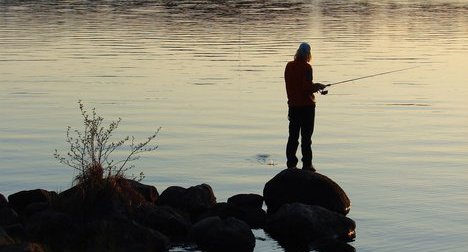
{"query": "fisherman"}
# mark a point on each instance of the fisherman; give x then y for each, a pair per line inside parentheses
(300, 90)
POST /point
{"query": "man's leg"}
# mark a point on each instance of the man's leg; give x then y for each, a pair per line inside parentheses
(307, 128)
(293, 139)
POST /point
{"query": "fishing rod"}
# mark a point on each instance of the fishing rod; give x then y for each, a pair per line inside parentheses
(324, 92)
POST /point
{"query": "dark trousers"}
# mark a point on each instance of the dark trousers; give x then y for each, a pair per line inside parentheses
(301, 121)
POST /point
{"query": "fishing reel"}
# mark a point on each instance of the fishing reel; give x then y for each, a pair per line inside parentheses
(323, 92)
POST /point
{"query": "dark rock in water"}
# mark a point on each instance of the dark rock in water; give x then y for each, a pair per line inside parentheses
(247, 200)
(8, 216)
(122, 235)
(254, 217)
(164, 219)
(230, 235)
(20, 200)
(150, 193)
(311, 188)
(3, 201)
(298, 223)
(194, 200)
(55, 229)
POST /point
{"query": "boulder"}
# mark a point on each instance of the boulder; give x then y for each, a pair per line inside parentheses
(194, 200)
(214, 234)
(311, 188)
(247, 200)
(298, 223)
(55, 229)
(20, 200)
(122, 235)
(164, 219)
(8, 216)
(24, 247)
(5, 239)
(254, 217)
(150, 193)
(3, 201)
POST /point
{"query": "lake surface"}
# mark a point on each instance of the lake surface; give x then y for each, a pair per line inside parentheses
(210, 73)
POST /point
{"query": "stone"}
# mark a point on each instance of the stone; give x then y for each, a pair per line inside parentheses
(3, 201)
(122, 235)
(194, 200)
(150, 193)
(20, 200)
(298, 223)
(55, 229)
(247, 200)
(311, 188)
(254, 217)
(8, 216)
(164, 219)
(229, 235)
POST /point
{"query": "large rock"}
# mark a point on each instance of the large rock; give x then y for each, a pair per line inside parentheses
(254, 217)
(298, 223)
(122, 235)
(194, 200)
(230, 235)
(20, 200)
(311, 188)
(8, 216)
(3, 201)
(164, 219)
(56, 229)
(149, 193)
(247, 200)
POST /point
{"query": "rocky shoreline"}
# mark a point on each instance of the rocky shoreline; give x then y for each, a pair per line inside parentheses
(304, 210)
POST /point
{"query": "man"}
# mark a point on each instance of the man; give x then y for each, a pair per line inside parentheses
(300, 89)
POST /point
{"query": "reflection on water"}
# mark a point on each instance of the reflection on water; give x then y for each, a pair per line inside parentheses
(210, 73)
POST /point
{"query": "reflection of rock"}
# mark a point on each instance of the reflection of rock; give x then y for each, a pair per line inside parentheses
(229, 235)
(297, 223)
(311, 188)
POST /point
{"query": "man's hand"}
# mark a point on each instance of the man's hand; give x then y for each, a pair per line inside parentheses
(320, 86)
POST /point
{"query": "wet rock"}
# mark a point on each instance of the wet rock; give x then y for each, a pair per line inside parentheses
(164, 219)
(311, 188)
(214, 234)
(247, 200)
(194, 200)
(298, 223)
(20, 200)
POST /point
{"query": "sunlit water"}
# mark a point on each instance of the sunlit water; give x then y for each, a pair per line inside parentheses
(210, 73)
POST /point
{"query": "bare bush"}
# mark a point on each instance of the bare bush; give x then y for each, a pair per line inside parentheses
(91, 148)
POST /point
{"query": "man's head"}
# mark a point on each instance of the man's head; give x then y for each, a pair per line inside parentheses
(303, 52)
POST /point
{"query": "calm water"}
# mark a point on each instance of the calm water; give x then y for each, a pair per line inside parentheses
(210, 74)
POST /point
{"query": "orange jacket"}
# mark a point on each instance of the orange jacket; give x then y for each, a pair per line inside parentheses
(298, 76)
